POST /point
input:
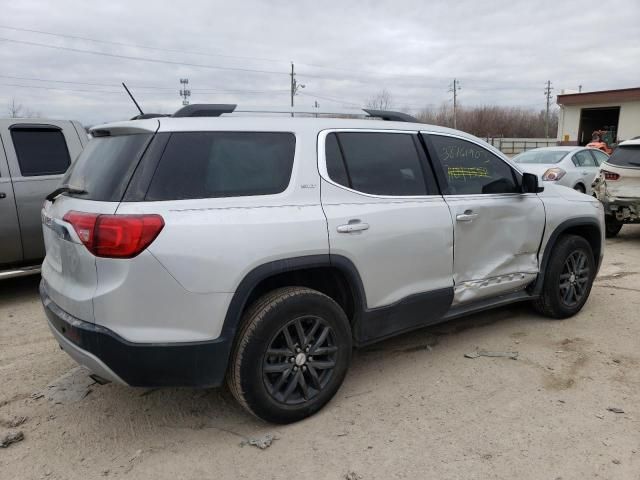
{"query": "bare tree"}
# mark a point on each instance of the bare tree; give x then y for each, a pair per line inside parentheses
(14, 109)
(493, 121)
(17, 110)
(381, 101)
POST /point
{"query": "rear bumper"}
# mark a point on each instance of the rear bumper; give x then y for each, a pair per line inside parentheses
(624, 210)
(196, 364)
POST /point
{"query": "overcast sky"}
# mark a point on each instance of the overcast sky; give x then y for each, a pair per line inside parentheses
(502, 52)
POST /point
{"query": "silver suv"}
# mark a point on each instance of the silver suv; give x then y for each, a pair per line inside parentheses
(186, 250)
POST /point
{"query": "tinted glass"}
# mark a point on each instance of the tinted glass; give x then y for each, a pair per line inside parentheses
(335, 163)
(600, 156)
(626, 156)
(105, 166)
(584, 159)
(223, 164)
(40, 151)
(540, 156)
(471, 169)
(382, 163)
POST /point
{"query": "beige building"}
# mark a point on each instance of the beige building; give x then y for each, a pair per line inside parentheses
(612, 110)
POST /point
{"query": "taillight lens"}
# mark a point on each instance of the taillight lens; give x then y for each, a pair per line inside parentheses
(612, 176)
(115, 236)
(553, 174)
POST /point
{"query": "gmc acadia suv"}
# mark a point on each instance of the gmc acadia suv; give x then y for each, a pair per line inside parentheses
(186, 250)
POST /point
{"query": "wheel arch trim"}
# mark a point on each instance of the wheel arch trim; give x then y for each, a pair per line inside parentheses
(553, 240)
(262, 272)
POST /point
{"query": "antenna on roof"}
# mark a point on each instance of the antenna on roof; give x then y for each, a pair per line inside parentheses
(133, 99)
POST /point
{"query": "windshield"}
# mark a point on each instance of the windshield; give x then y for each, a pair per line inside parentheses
(626, 156)
(105, 166)
(540, 156)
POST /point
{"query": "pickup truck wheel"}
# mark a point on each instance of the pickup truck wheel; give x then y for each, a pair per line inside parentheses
(568, 278)
(612, 226)
(291, 356)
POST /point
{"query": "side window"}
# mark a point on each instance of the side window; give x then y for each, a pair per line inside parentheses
(40, 151)
(223, 164)
(470, 169)
(376, 163)
(336, 168)
(600, 156)
(584, 159)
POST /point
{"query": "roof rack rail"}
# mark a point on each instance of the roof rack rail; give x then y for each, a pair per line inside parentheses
(391, 115)
(218, 109)
(205, 110)
(145, 116)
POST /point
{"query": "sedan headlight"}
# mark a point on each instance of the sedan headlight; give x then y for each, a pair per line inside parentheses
(553, 174)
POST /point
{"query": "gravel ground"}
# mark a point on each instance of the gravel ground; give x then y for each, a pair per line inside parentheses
(411, 407)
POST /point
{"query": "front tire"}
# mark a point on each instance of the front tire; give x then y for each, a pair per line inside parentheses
(291, 356)
(568, 278)
(580, 188)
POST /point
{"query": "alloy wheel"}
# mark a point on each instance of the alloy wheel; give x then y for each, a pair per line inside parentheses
(300, 360)
(574, 278)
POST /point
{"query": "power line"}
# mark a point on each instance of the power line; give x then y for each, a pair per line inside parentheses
(248, 70)
(69, 89)
(133, 45)
(143, 59)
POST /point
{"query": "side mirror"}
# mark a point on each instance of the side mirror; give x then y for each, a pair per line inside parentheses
(530, 183)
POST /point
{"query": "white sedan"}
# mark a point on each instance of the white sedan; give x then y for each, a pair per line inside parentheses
(573, 167)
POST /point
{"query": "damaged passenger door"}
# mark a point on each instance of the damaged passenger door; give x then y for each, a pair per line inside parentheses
(497, 229)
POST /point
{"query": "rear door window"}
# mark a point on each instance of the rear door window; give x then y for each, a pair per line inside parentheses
(584, 159)
(40, 150)
(600, 156)
(626, 156)
(223, 164)
(376, 163)
(105, 166)
(470, 169)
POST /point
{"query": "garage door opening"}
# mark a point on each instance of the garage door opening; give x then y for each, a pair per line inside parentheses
(592, 119)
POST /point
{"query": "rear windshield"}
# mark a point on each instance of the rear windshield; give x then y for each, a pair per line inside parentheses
(105, 166)
(540, 156)
(223, 164)
(626, 156)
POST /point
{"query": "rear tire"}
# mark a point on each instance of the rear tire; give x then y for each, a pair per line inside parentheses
(612, 226)
(291, 356)
(568, 278)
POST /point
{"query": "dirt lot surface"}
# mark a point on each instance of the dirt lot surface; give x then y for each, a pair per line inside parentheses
(411, 407)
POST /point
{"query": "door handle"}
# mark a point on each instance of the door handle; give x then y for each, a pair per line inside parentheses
(3, 195)
(353, 226)
(467, 216)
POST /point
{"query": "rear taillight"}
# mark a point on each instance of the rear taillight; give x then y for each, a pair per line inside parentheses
(612, 176)
(553, 174)
(115, 236)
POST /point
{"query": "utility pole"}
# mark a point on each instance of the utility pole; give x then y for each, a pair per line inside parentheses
(316, 105)
(295, 86)
(547, 92)
(454, 88)
(185, 93)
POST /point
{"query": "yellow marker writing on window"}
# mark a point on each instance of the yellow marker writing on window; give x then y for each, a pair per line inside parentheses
(464, 172)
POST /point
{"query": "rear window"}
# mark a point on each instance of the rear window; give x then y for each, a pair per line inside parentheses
(223, 164)
(40, 151)
(105, 166)
(626, 156)
(540, 157)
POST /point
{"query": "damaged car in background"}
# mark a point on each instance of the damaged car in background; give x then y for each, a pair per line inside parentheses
(618, 186)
